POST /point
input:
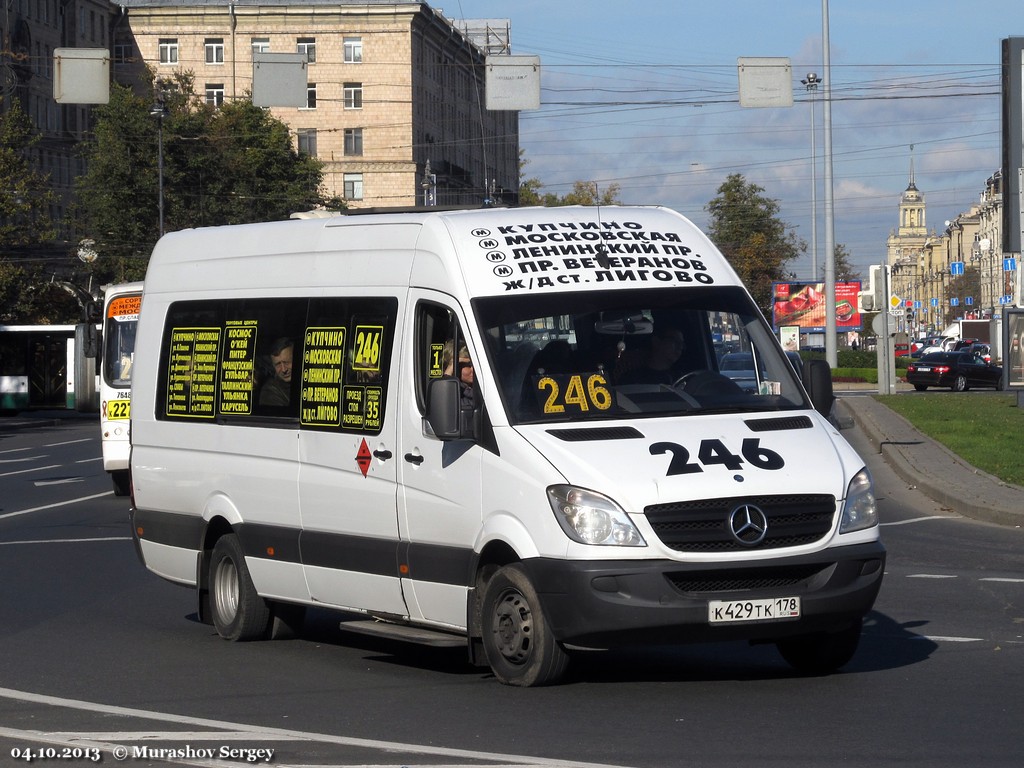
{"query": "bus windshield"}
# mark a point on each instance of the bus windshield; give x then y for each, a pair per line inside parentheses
(614, 354)
(119, 340)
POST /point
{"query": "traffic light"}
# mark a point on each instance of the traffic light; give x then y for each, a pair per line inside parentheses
(874, 299)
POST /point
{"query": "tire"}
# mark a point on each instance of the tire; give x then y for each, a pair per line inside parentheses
(960, 384)
(517, 640)
(920, 387)
(122, 480)
(821, 653)
(238, 612)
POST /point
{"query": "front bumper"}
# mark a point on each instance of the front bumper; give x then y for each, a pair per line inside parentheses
(608, 603)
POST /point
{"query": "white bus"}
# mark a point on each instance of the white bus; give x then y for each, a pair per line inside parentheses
(504, 428)
(120, 318)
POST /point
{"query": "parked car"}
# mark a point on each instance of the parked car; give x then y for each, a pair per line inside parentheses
(957, 370)
(739, 366)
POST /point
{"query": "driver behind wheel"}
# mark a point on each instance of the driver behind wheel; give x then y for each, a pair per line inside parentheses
(658, 366)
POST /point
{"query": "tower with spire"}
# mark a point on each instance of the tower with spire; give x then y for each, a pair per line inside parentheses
(906, 246)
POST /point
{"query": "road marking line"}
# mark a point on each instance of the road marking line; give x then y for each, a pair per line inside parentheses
(943, 638)
(269, 734)
(1005, 580)
(925, 519)
(20, 459)
(69, 442)
(24, 471)
(931, 576)
(5, 515)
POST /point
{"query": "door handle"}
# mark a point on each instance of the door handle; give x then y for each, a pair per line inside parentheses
(383, 455)
(414, 458)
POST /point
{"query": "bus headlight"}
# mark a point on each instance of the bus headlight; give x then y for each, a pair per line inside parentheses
(860, 510)
(591, 518)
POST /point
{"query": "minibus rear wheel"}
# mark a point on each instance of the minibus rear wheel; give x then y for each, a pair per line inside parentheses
(517, 640)
(239, 613)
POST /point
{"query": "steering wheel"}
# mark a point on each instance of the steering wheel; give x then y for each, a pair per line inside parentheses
(705, 382)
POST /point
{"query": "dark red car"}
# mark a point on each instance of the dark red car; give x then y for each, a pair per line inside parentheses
(957, 370)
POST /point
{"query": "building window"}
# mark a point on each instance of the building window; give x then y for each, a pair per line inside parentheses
(123, 53)
(169, 50)
(353, 141)
(311, 96)
(307, 141)
(353, 186)
(353, 95)
(215, 50)
(261, 45)
(215, 94)
(353, 50)
(307, 45)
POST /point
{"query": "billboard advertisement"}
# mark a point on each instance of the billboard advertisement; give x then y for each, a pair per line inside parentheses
(803, 305)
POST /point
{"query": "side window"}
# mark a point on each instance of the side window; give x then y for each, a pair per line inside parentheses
(441, 352)
(345, 363)
(323, 362)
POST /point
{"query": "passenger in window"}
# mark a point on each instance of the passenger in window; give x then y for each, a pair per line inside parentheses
(466, 375)
(277, 390)
(659, 366)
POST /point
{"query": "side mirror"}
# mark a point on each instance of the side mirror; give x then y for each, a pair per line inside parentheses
(89, 338)
(818, 380)
(444, 409)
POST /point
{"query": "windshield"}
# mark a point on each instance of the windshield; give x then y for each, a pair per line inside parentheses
(119, 350)
(614, 354)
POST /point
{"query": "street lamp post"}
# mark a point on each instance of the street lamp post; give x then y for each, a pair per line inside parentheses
(811, 83)
(159, 111)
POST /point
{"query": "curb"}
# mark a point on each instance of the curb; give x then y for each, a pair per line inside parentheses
(936, 471)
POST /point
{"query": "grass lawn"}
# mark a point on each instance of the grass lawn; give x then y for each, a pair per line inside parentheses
(985, 430)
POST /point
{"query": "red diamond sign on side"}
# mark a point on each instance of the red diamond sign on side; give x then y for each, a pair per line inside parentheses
(363, 458)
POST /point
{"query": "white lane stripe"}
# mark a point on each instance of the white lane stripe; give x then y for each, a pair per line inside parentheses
(20, 459)
(1006, 580)
(116, 736)
(69, 442)
(5, 515)
(25, 471)
(931, 576)
(948, 639)
(269, 734)
(86, 461)
(924, 519)
(66, 541)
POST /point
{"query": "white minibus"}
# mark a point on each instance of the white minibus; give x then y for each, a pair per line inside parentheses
(503, 428)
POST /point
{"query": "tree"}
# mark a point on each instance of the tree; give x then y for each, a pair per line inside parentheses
(26, 295)
(229, 164)
(583, 192)
(844, 270)
(745, 226)
(25, 195)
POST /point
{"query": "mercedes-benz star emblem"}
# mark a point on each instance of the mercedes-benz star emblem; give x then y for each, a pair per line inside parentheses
(748, 525)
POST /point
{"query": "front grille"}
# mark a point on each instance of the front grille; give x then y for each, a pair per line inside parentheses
(703, 526)
(779, 577)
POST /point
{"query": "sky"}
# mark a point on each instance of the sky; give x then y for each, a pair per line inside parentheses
(644, 94)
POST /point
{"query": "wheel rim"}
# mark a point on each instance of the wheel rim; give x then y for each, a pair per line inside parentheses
(513, 627)
(225, 590)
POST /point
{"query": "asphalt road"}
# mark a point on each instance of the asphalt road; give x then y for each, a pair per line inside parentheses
(97, 654)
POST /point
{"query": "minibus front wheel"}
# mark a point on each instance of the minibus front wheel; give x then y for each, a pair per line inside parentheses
(517, 639)
(239, 613)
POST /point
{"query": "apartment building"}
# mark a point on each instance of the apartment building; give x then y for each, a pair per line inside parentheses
(394, 102)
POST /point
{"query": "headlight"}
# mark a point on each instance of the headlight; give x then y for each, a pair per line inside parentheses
(860, 510)
(591, 518)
